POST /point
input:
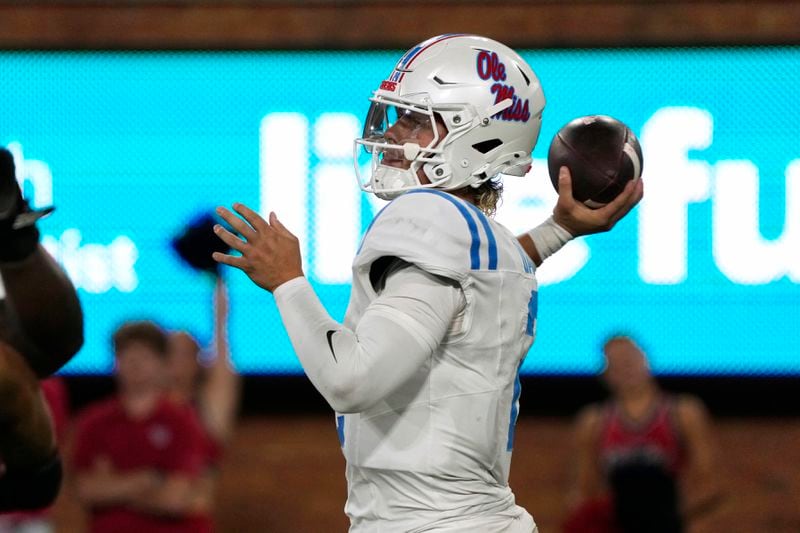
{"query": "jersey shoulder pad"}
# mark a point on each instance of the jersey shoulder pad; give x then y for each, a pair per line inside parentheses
(434, 230)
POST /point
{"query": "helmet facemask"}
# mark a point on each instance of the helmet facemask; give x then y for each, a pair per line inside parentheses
(391, 146)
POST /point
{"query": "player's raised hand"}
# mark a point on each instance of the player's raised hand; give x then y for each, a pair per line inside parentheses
(578, 219)
(270, 254)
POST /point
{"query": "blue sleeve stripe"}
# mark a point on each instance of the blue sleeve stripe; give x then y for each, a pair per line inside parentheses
(489, 235)
(512, 422)
(475, 247)
(533, 309)
(340, 429)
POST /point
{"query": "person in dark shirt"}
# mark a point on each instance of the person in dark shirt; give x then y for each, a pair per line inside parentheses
(633, 451)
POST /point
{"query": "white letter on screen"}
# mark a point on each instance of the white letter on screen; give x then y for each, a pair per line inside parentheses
(672, 181)
(740, 251)
(284, 171)
(337, 213)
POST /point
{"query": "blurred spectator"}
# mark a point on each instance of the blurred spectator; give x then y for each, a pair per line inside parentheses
(210, 389)
(633, 451)
(138, 456)
(39, 521)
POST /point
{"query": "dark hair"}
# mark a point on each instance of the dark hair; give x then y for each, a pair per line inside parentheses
(140, 331)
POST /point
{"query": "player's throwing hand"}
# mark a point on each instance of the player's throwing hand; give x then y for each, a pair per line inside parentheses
(578, 219)
(270, 253)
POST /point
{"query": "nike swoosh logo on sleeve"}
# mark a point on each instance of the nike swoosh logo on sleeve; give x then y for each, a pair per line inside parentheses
(330, 343)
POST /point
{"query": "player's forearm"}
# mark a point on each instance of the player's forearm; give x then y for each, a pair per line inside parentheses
(353, 370)
(339, 371)
(529, 246)
(47, 311)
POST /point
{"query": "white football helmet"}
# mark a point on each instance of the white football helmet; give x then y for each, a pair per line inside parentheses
(486, 97)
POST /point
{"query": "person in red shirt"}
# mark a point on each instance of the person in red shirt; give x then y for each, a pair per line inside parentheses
(633, 450)
(138, 455)
(211, 391)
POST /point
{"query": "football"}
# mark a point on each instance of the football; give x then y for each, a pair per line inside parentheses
(602, 154)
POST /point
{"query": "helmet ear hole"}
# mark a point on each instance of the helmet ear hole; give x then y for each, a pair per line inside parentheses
(487, 146)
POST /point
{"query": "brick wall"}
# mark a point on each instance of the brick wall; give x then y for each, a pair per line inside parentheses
(360, 23)
(286, 474)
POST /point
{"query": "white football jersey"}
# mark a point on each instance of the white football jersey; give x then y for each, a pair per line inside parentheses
(435, 454)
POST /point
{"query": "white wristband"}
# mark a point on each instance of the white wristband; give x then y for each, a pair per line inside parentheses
(549, 237)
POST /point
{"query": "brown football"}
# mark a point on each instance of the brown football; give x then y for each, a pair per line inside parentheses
(602, 155)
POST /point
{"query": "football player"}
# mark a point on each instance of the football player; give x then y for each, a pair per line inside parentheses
(424, 371)
(41, 328)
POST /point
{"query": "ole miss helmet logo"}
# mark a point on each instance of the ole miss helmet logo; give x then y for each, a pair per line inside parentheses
(489, 67)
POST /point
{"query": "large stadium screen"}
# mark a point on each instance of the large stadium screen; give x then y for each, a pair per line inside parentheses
(131, 145)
